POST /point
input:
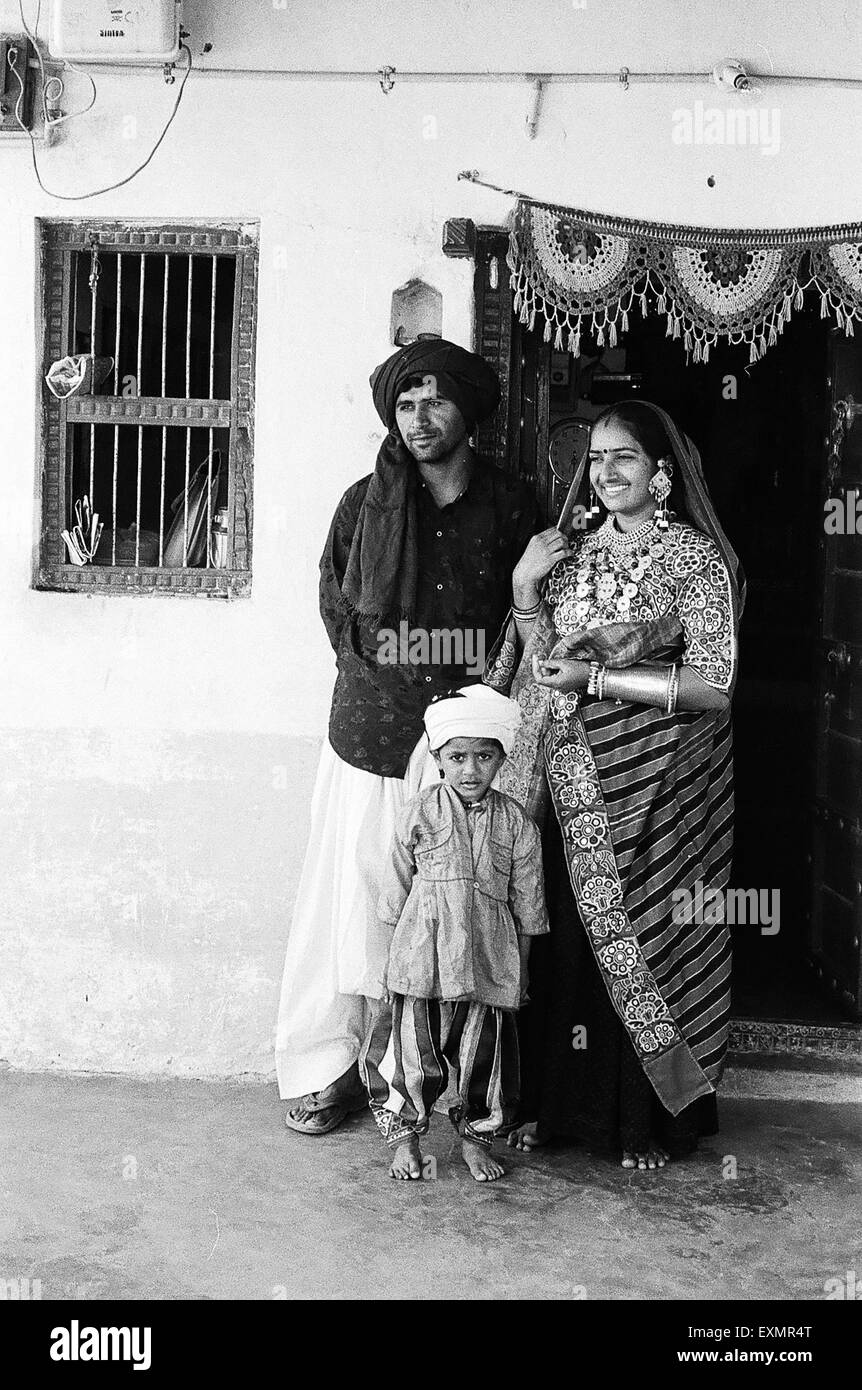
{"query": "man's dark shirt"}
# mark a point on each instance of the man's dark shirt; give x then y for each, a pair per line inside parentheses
(467, 552)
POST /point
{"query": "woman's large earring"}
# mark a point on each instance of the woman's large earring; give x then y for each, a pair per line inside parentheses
(594, 503)
(660, 485)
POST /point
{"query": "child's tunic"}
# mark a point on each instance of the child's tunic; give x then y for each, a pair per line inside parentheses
(462, 884)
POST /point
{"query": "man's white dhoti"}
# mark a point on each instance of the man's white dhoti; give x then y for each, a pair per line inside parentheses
(336, 951)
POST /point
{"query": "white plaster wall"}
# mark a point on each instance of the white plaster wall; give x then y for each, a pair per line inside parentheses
(169, 711)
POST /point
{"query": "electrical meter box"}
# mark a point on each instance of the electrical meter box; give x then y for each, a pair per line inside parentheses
(95, 31)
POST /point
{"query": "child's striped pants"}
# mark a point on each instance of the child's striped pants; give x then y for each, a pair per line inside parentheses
(404, 1066)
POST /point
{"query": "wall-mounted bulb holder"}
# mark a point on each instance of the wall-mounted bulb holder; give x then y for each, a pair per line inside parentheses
(731, 75)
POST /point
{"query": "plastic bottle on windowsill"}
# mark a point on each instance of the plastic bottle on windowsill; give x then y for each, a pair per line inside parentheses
(218, 539)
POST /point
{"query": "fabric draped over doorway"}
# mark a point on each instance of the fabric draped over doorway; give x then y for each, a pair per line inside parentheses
(583, 272)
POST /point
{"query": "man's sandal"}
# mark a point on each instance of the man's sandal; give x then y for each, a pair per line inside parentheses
(330, 1095)
(317, 1100)
(340, 1111)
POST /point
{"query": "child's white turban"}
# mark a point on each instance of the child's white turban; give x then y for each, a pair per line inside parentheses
(476, 711)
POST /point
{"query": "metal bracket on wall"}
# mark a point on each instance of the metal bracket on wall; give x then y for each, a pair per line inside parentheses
(532, 123)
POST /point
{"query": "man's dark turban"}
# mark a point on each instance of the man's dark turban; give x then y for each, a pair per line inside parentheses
(461, 376)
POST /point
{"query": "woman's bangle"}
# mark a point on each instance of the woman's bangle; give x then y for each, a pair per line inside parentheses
(526, 614)
(596, 680)
(672, 688)
(640, 685)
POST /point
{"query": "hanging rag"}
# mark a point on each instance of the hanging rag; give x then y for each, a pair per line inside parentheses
(81, 375)
(199, 490)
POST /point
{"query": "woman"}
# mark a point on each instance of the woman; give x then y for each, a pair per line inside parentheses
(625, 676)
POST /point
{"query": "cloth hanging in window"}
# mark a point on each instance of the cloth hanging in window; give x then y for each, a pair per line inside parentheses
(584, 271)
(187, 539)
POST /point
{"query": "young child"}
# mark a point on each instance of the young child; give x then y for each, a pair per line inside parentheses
(463, 893)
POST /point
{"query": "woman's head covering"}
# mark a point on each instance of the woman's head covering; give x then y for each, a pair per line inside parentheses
(696, 499)
(460, 376)
(475, 711)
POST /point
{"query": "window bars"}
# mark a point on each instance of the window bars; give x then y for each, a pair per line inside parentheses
(162, 448)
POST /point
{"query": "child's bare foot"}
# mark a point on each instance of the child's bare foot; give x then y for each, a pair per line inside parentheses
(525, 1137)
(406, 1159)
(651, 1157)
(481, 1162)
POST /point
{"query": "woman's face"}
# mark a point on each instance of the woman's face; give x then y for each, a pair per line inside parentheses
(620, 471)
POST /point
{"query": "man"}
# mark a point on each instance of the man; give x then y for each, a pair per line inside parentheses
(427, 543)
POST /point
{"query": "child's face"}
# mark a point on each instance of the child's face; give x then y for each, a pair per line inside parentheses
(470, 765)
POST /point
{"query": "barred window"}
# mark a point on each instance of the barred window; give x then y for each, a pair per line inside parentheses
(147, 407)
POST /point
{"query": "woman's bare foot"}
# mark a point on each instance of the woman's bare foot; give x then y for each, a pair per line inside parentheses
(406, 1159)
(481, 1162)
(653, 1156)
(525, 1137)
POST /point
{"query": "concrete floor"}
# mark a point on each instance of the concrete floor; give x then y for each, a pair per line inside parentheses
(119, 1188)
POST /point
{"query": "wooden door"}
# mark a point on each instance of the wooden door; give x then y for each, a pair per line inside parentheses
(516, 438)
(836, 908)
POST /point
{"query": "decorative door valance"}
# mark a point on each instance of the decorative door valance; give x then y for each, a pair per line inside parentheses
(582, 271)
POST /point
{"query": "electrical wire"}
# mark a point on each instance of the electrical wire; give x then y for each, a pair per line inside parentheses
(61, 89)
(95, 192)
(52, 121)
(12, 59)
(48, 120)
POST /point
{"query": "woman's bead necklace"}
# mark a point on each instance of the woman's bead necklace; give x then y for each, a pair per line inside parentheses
(611, 568)
(609, 534)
